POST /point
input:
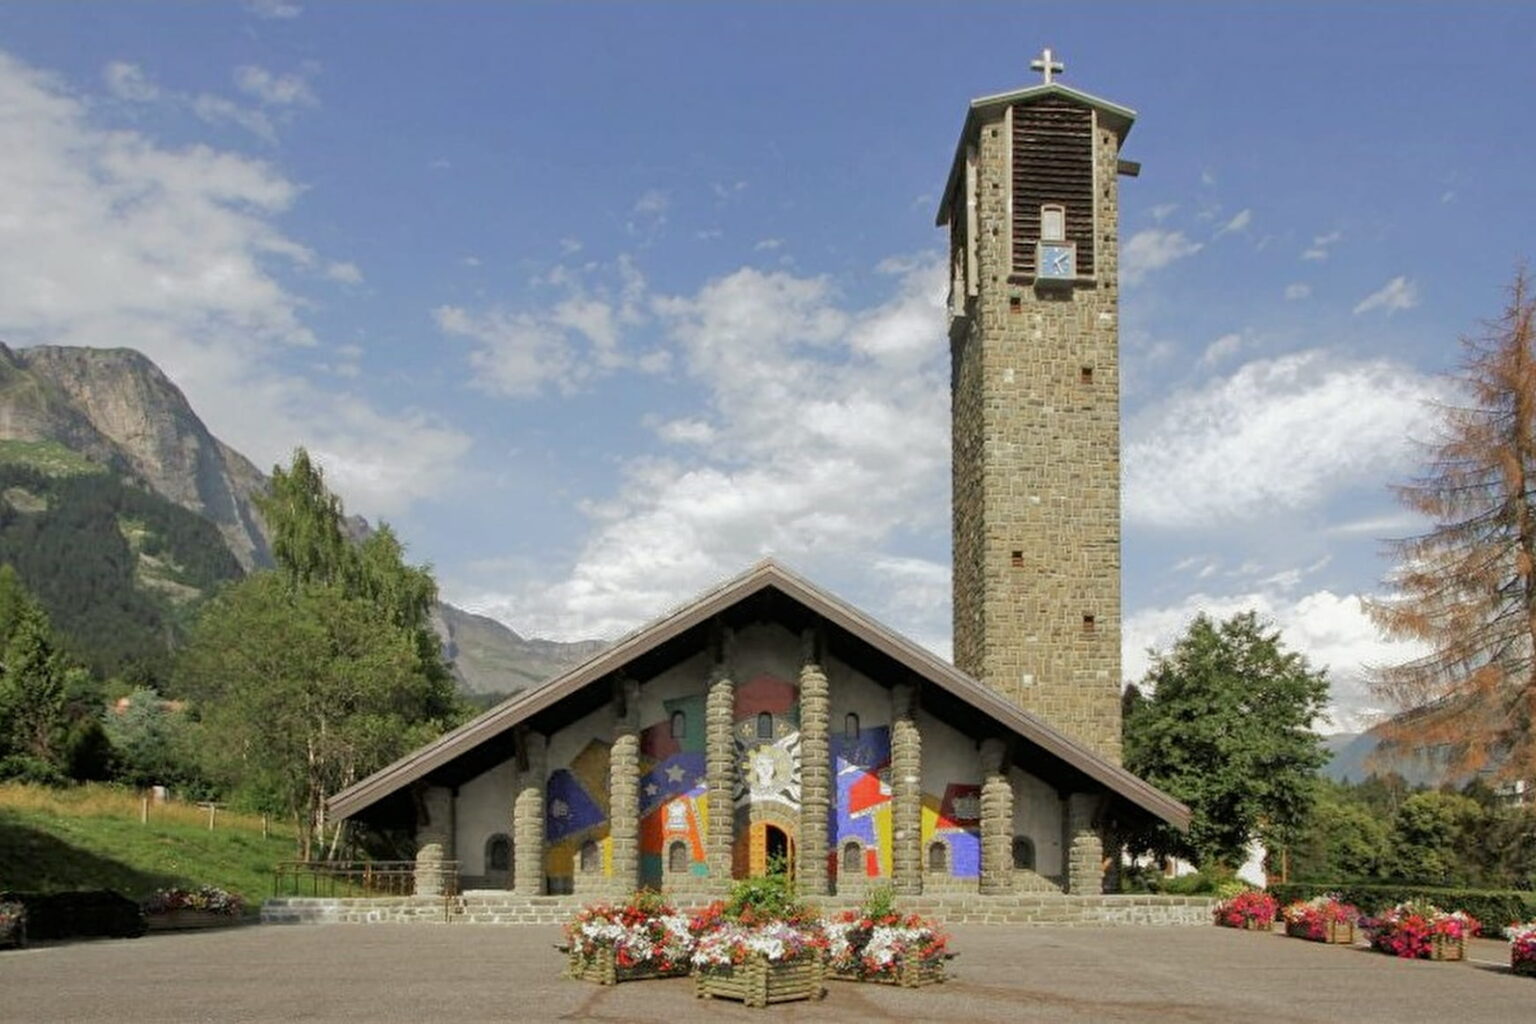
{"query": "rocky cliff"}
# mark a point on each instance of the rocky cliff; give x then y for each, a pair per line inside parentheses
(120, 411)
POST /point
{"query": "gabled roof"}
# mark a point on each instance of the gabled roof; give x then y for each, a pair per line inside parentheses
(1111, 115)
(765, 576)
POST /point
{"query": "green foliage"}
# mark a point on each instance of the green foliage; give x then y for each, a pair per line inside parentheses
(1344, 838)
(1226, 727)
(771, 897)
(1428, 834)
(315, 675)
(86, 570)
(1494, 907)
(879, 902)
(304, 691)
(48, 457)
(155, 743)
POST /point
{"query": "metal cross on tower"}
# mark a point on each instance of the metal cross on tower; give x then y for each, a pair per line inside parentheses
(1046, 65)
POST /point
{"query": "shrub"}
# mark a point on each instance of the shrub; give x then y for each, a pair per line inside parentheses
(1408, 930)
(1505, 906)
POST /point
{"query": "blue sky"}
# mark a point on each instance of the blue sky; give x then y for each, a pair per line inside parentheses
(599, 303)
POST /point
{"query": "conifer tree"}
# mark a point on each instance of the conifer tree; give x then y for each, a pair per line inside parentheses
(1466, 589)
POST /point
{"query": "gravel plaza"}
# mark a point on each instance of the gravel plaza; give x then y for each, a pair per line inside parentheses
(413, 973)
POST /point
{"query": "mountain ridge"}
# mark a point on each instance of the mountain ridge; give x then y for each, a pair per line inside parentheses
(120, 411)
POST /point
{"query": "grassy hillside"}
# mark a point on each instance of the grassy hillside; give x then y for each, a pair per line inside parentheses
(90, 837)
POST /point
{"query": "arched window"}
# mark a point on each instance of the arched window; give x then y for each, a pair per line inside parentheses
(853, 858)
(851, 726)
(679, 725)
(938, 856)
(591, 857)
(677, 857)
(1023, 853)
(764, 726)
(498, 853)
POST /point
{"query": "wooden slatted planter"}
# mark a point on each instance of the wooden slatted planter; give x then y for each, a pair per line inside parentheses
(1339, 933)
(908, 974)
(188, 919)
(602, 968)
(1445, 948)
(760, 982)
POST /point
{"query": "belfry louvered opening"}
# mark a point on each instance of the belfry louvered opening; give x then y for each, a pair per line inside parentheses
(1052, 166)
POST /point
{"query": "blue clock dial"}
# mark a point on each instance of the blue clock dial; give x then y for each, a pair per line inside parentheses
(1056, 260)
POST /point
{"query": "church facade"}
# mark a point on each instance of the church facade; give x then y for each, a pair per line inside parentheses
(769, 725)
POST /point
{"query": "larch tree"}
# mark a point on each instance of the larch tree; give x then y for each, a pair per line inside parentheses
(1466, 589)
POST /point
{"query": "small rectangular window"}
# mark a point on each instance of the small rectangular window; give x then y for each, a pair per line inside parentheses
(1087, 623)
(1086, 375)
(1018, 560)
(1053, 223)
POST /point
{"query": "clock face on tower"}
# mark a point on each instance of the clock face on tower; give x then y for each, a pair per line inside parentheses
(1056, 260)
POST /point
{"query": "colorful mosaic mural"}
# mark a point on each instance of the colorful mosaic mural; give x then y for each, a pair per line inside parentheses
(673, 806)
(576, 810)
(956, 818)
(863, 807)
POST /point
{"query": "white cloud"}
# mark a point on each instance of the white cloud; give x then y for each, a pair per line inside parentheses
(767, 244)
(1238, 222)
(1223, 347)
(1321, 246)
(1151, 250)
(1332, 630)
(562, 348)
(222, 110)
(1278, 433)
(346, 273)
(1162, 211)
(1299, 290)
(273, 89)
(827, 431)
(274, 9)
(109, 239)
(649, 213)
(128, 82)
(1397, 294)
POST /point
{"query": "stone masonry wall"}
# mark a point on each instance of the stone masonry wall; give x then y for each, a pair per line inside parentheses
(815, 778)
(1036, 443)
(1018, 909)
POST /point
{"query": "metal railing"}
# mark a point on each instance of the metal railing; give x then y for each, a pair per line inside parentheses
(358, 878)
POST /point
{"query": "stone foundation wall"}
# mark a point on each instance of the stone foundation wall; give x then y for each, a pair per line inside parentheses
(510, 909)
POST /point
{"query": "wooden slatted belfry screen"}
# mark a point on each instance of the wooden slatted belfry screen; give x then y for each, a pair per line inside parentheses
(1052, 163)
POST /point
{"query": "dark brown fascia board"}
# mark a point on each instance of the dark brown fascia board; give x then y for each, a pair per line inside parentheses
(764, 574)
(1115, 116)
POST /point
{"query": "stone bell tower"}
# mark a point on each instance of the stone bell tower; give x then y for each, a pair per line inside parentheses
(1032, 210)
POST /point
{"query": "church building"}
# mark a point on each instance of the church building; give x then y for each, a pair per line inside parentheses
(770, 724)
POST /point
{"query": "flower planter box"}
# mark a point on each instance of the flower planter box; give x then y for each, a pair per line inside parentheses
(602, 968)
(761, 982)
(906, 975)
(1443, 947)
(1340, 933)
(187, 919)
(1256, 924)
(1526, 967)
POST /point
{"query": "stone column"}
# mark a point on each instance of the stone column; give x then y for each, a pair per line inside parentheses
(996, 818)
(815, 775)
(720, 773)
(624, 788)
(528, 814)
(434, 842)
(1085, 850)
(906, 792)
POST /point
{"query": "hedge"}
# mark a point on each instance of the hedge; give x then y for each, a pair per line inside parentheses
(1495, 908)
(77, 915)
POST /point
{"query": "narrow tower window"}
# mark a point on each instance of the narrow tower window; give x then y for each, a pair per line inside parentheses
(1018, 559)
(677, 857)
(1087, 623)
(1053, 223)
(938, 857)
(851, 725)
(679, 725)
(591, 857)
(764, 726)
(853, 858)
(1087, 375)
